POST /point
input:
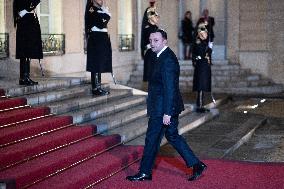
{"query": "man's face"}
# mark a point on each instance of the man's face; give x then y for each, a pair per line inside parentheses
(157, 42)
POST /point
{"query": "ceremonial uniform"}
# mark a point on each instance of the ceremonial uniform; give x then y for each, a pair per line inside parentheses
(149, 28)
(28, 37)
(99, 52)
(202, 66)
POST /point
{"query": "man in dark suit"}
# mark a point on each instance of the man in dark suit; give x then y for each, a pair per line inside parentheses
(164, 104)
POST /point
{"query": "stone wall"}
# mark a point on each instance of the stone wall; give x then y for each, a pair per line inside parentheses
(252, 31)
(256, 39)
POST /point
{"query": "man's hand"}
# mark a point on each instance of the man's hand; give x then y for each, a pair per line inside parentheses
(166, 119)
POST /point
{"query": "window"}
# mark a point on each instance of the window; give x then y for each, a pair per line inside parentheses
(2, 16)
(50, 17)
(125, 25)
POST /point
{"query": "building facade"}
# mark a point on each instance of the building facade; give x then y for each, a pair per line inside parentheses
(248, 32)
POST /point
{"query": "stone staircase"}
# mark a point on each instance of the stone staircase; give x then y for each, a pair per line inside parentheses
(122, 112)
(226, 78)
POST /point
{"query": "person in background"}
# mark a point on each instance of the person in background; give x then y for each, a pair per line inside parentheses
(210, 22)
(201, 61)
(28, 37)
(187, 35)
(99, 52)
(143, 25)
(152, 25)
(164, 104)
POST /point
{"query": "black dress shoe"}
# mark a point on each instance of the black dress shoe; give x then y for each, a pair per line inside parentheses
(100, 92)
(139, 177)
(197, 171)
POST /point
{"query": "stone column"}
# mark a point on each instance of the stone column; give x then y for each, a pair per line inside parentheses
(233, 29)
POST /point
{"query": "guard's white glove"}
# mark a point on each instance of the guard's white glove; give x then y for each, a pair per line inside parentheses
(148, 46)
(23, 13)
(210, 45)
(104, 10)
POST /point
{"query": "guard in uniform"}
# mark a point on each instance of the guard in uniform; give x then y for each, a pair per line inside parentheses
(150, 27)
(143, 25)
(28, 37)
(210, 22)
(99, 53)
(202, 65)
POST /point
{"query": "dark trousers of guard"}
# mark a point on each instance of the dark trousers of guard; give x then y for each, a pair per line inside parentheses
(97, 89)
(25, 72)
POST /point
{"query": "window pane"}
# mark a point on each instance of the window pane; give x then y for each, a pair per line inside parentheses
(125, 17)
(44, 24)
(2, 22)
(44, 7)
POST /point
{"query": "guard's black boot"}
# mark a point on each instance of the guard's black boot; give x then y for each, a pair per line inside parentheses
(96, 85)
(25, 73)
(199, 103)
(28, 64)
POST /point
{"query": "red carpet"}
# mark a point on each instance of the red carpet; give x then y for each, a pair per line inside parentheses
(170, 173)
(6, 103)
(22, 114)
(51, 152)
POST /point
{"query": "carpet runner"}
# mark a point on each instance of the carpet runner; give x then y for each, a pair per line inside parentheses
(170, 172)
(40, 150)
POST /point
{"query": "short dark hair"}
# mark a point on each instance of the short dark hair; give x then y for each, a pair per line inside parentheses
(162, 32)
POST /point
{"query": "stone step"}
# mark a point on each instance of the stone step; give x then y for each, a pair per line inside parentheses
(79, 102)
(265, 145)
(58, 95)
(271, 89)
(138, 127)
(105, 108)
(115, 120)
(224, 77)
(236, 138)
(45, 84)
(187, 65)
(186, 123)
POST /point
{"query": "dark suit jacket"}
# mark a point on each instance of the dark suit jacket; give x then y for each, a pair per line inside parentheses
(164, 96)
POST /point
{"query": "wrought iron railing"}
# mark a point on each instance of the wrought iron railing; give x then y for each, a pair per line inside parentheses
(4, 45)
(53, 44)
(126, 42)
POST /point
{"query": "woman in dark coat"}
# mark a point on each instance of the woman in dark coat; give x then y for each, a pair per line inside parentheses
(187, 35)
(99, 52)
(28, 37)
(202, 65)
